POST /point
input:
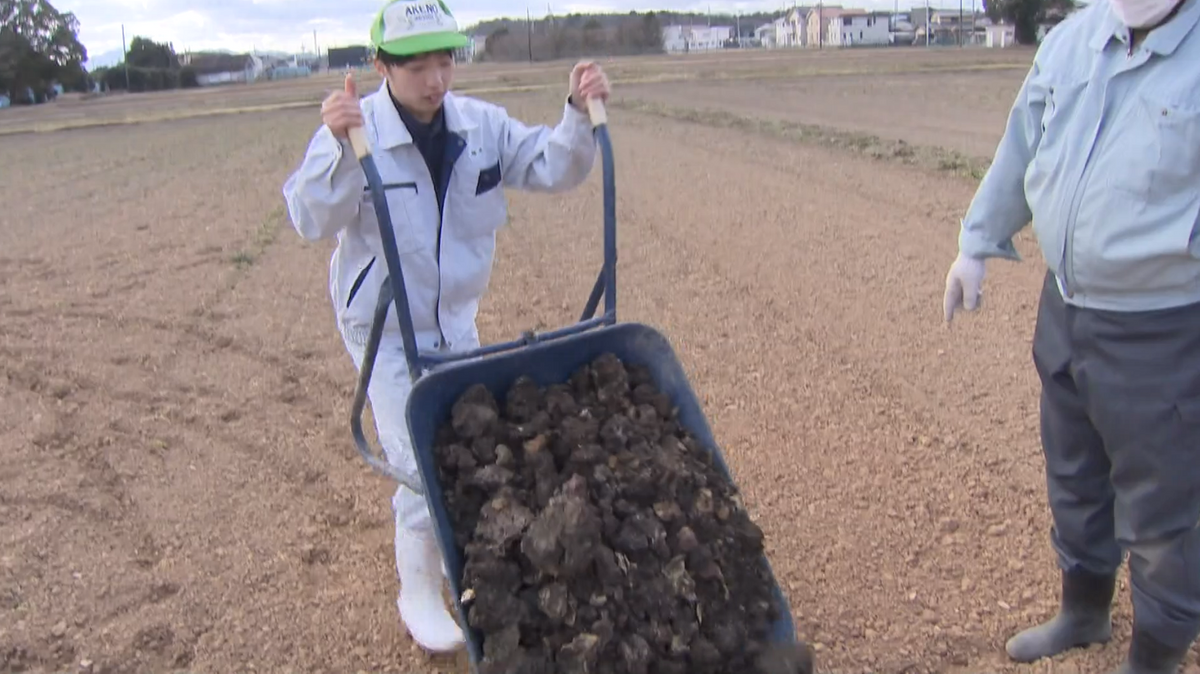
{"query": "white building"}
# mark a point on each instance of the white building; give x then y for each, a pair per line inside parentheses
(783, 32)
(475, 46)
(855, 28)
(796, 21)
(765, 34)
(1001, 35)
(678, 39)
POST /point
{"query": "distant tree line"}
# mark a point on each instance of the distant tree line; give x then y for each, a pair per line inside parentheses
(1025, 15)
(39, 47)
(153, 66)
(573, 35)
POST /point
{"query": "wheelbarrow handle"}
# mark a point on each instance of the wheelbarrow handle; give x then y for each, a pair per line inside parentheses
(394, 290)
(596, 112)
(360, 398)
(358, 142)
(391, 254)
(606, 281)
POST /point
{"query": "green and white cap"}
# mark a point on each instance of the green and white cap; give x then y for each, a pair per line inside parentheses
(408, 27)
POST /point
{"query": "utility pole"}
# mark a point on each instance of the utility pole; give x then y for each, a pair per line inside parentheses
(529, 31)
(125, 58)
(820, 25)
(960, 23)
(972, 21)
(316, 49)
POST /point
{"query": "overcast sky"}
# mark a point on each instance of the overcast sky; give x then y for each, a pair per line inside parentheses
(288, 25)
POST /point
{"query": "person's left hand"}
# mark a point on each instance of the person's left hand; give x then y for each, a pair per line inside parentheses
(588, 81)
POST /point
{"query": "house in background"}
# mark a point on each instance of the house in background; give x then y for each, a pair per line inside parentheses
(784, 33)
(213, 68)
(949, 26)
(817, 24)
(765, 34)
(1001, 35)
(858, 27)
(797, 25)
(683, 39)
(475, 45)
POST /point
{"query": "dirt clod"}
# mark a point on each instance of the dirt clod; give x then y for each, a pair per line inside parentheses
(599, 536)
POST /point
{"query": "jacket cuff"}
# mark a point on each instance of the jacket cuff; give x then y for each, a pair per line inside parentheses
(574, 120)
(972, 244)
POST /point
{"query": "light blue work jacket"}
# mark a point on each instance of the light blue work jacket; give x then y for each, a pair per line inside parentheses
(1102, 153)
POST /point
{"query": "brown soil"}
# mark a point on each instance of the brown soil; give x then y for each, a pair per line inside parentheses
(178, 485)
(963, 110)
(599, 535)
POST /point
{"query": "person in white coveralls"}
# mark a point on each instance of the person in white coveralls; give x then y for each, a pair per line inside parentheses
(445, 161)
(1102, 153)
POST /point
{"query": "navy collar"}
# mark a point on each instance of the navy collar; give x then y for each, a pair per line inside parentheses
(419, 130)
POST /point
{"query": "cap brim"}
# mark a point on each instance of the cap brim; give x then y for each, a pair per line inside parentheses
(423, 44)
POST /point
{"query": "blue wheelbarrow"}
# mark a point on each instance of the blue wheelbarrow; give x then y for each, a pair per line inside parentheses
(548, 358)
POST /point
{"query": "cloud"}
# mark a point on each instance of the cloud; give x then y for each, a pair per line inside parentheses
(288, 25)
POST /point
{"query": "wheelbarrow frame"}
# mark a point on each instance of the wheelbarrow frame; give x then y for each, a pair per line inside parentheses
(549, 358)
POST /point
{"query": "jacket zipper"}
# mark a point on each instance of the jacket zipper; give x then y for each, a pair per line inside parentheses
(450, 154)
(1077, 199)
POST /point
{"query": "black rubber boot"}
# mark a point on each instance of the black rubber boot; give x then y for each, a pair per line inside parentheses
(1083, 619)
(1148, 655)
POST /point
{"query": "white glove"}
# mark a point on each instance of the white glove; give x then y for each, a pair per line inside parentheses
(964, 285)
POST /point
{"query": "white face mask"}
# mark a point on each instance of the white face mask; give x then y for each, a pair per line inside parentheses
(1142, 13)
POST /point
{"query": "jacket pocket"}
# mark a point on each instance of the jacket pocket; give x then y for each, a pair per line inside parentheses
(400, 198)
(388, 187)
(1172, 146)
(358, 281)
(489, 178)
(476, 206)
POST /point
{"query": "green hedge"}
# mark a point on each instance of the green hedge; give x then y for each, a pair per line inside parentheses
(150, 79)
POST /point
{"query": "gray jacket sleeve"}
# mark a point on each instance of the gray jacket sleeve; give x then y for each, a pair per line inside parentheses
(999, 209)
(324, 194)
(541, 159)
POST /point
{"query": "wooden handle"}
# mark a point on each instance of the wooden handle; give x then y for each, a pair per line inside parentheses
(597, 112)
(358, 141)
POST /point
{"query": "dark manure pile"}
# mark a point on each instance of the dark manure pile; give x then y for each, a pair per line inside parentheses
(599, 536)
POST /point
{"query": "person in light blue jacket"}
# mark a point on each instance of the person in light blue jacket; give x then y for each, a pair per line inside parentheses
(1102, 153)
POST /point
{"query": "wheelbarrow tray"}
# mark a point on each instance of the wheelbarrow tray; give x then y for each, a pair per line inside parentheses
(547, 363)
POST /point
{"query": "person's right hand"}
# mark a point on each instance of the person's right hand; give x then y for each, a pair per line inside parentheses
(964, 284)
(340, 110)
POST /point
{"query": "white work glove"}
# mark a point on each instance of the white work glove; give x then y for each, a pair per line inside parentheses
(964, 285)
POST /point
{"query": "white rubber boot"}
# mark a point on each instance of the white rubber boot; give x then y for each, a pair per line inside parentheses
(422, 608)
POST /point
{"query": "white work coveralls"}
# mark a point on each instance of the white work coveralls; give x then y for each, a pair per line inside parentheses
(447, 259)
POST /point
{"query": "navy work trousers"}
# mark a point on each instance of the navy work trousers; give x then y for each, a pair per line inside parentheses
(1120, 422)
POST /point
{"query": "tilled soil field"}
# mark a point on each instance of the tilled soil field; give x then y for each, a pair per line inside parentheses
(178, 486)
(963, 110)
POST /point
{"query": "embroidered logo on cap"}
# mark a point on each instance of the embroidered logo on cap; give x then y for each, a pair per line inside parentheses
(406, 18)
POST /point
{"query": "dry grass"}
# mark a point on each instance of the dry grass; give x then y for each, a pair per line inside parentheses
(937, 158)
